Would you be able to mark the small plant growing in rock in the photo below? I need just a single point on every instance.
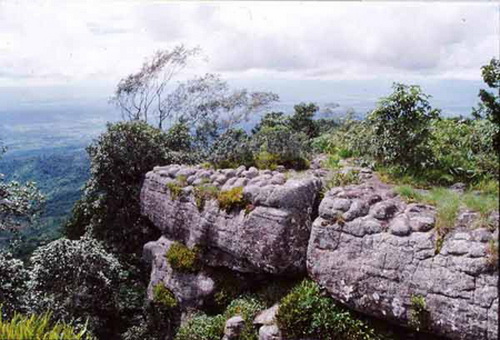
(182, 258)
(247, 308)
(175, 190)
(163, 296)
(249, 208)
(418, 313)
(492, 255)
(232, 199)
(204, 193)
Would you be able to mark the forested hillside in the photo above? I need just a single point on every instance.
(60, 175)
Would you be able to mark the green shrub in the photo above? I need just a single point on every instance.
(40, 327)
(163, 296)
(247, 308)
(287, 147)
(304, 312)
(202, 327)
(419, 316)
(345, 153)
(231, 150)
(13, 284)
(205, 193)
(182, 258)
(332, 162)
(265, 160)
(400, 127)
(232, 199)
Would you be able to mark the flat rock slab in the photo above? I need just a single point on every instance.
(269, 237)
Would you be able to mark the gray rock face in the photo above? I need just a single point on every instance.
(233, 328)
(269, 332)
(190, 289)
(271, 236)
(376, 262)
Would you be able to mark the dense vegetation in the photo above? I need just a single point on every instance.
(100, 281)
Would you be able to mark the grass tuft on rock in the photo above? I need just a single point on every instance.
(183, 259)
(163, 296)
(232, 199)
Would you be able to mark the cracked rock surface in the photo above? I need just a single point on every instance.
(269, 237)
(373, 252)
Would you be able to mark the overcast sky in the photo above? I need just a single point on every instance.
(94, 44)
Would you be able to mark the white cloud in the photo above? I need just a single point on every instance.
(67, 42)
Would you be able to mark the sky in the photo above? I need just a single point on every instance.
(68, 54)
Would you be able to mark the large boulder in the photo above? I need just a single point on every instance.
(269, 235)
(380, 256)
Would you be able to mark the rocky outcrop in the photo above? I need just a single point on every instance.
(190, 289)
(369, 249)
(270, 235)
(380, 256)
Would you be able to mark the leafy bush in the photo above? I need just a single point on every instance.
(13, 284)
(202, 327)
(231, 150)
(182, 258)
(22, 327)
(400, 127)
(232, 199)
(163, 296)
(418, 314)
(304, 312)
(287, 147)
(76, 280)
(266, 160)
(204, 193)
(247, 308)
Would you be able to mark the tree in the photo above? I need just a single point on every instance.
(400, 127)
(211, 107)
(19, 203)
(13, 285)
(77, 281)
(110, 207)
(302, 119)
(141, 95)
(490, 102)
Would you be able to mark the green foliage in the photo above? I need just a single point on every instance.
(285, 146)
(304, 313)
(247, 308)
(76, 280)
(232, 199)
(205, 193)
(202, 327)
(447, 203)
(484, 204)
(182, 258)
(302, 120)
(490, 102)
(332, 162)
(40, 327)
(179, 139)
(400, 127)
(175, 189)
(409, 194)
(164, 296)
(13, 284)
(266, 160)
(231, 150)
(119, 159)
(271, 120)
(343, 178)
(418, 318)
